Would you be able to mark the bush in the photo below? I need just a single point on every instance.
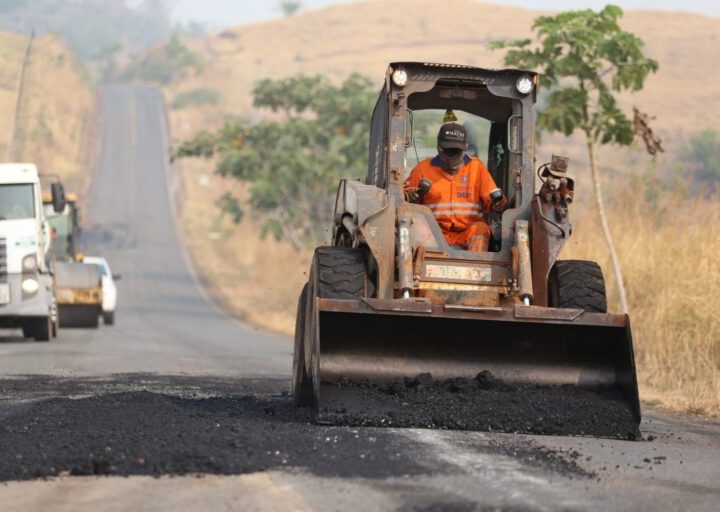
(196, 97)
(167, 64)
(293, 163)
(702, 158)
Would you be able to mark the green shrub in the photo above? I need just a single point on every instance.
(196, 97)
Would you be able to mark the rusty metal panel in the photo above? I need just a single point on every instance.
(540, 313)
(405, 305)
(505, 314)
(454, 296)
(459, 273)
(66, 296)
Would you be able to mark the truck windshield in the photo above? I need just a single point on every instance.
(61, 223)
(17, 201)
(102, 269)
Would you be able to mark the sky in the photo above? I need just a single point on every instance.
(221, 13)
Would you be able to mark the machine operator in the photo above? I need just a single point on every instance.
(458, 189)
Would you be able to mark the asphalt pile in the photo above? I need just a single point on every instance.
(150, 425)
(483, 403)
(146, 433)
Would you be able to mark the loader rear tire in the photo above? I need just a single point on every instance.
(577, 284)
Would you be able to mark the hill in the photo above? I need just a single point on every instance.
(366, 36)
(56, 107)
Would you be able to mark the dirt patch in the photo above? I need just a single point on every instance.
(483, 404)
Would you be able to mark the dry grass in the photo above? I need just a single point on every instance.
(670, 259)
(56, 110)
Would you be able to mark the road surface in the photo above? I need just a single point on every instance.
(176, 387)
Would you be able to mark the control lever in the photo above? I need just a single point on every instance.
(424, 187)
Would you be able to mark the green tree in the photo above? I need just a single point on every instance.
(293, 163)
(702, 157)
(166, 64)
(290, 7)
(585, 58)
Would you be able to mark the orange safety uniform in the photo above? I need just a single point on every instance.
(460, 201)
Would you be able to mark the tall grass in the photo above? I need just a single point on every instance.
(670, 253)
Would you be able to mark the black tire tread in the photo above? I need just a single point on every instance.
(578, 284)
(342, 273)
(301, 387)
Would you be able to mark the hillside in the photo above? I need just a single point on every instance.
(55, 111)
(366, 36)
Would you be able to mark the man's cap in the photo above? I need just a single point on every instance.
(452, 135)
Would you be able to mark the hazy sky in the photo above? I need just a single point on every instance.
(219, 13)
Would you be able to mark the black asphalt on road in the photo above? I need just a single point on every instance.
(176, 387)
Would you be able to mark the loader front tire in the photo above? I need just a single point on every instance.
(577, 284)
(302, 389)
(342, 273)
(336, 273)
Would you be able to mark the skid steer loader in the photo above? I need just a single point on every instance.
(390, 298)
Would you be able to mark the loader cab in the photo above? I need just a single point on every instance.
(497, 108)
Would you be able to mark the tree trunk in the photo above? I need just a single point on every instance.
(606, 228)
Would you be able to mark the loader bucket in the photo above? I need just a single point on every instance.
(582, 361)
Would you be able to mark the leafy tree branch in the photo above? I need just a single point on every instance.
(585, 58)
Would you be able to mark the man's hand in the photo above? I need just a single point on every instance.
(500, 205)
(412, 195)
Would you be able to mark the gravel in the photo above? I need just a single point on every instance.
(157, 433)
(169, 425)
(483, 404)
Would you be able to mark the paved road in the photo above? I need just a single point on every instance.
(178, 387)
(164, 324)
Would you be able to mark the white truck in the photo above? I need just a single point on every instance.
(27, 298)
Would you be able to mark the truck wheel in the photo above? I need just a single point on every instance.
(54, 320)
(301, 386)
(90, 317)
(577, 284)
(109, 318)
(38, 328)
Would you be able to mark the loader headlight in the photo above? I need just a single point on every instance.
(524, 85)
(30, 286)
(400, 77)
(29, 263)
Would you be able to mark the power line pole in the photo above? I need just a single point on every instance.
(15, 149)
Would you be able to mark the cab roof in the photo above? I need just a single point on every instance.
(14, 173)
(437, 70)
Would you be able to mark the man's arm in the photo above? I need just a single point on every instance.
(487, 185)
(412, 194)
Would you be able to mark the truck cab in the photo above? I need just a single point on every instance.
(26, 282)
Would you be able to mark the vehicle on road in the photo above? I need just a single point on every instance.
(392, 299)
(27, 298)
(109, 289)
(79, 285)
